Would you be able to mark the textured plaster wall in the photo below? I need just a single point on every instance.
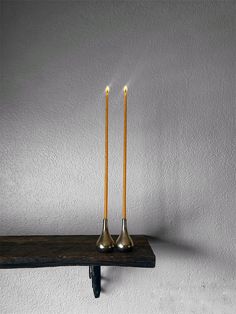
(178, 59)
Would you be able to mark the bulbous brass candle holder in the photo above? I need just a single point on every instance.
(105, 243)
(124, 242)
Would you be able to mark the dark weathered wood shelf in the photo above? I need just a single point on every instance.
(69, 250)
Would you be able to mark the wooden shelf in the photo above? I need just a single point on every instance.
(69, 250)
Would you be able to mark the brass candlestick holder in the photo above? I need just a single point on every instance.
(105, 243)
(124, 243)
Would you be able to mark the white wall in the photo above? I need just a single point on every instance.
(178, 59)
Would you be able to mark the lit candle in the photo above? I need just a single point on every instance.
(124, 154)
(106, 156)
(124, 242)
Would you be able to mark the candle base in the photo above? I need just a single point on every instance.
(105, 243)
(124, 243)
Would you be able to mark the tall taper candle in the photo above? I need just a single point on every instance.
(106, 156)
(124, 243)
(105, 243)
(124, 154)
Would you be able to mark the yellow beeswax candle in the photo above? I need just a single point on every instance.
(106, 156)
(124, 154)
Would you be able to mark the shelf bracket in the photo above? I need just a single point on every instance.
(95, 276)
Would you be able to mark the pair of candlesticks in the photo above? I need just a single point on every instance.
(124, 242)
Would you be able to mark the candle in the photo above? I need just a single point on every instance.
(124, 242)
(106, 156)
(124, 154)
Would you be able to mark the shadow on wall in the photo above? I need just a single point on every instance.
(166, 240)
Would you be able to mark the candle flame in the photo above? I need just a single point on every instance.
(125, 89)
(107, 90)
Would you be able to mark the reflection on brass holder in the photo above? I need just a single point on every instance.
(105, 243)
(124, 243)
